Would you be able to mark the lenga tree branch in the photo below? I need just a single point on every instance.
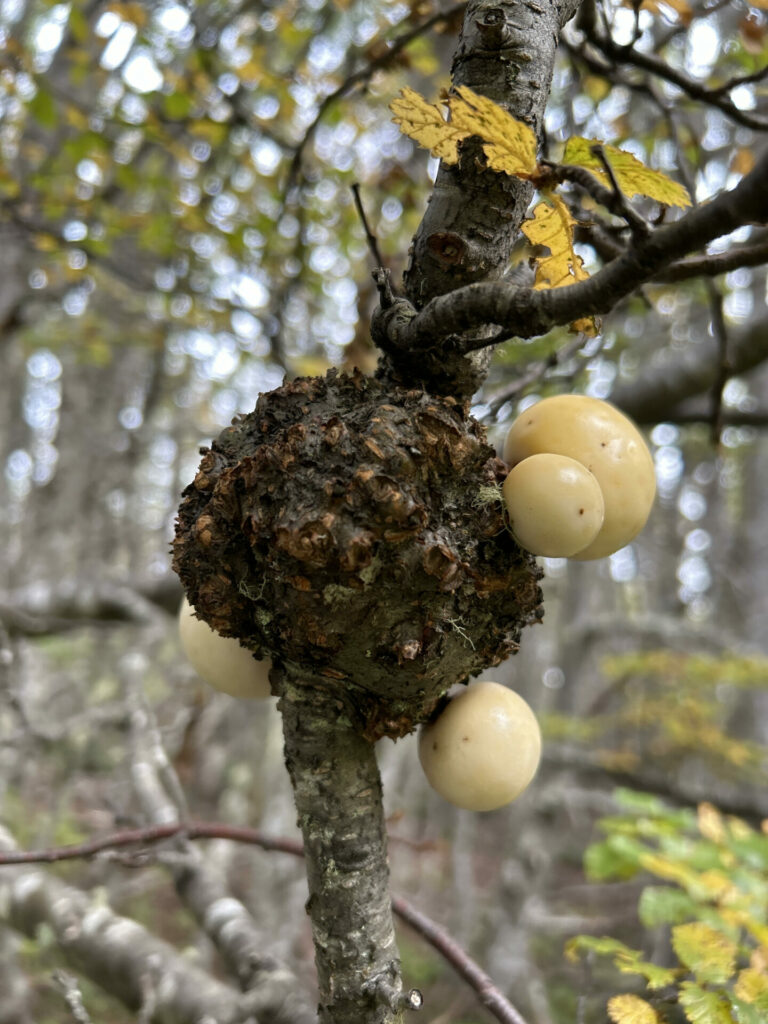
(526, 312)
(716, 97)
(506, 52)
(437, 937)
(116, 952)
(337, 791)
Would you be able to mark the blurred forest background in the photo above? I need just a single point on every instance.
(178, 233)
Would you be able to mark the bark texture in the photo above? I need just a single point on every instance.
(353, 532)
(338, 797)
(506, 51)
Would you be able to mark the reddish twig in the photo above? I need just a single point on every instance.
(488, 994)
(462, 963)
(153, 834)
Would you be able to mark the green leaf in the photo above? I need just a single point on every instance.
(177, 106)
(710, 955)
(42, 107)
(661, 904)
(617, 857)
(752, 987)
(746, 1013)
(703, 1007)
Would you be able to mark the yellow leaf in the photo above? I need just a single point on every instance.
(633, 177)
(586, 325)
(751, 985)
(707, 953)
(509, 145)
(711, 823)
(629, 1009)
(424, 123)
(45, 243)
(552, 226)
(743, 159)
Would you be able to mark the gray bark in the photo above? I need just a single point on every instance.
(338, 797)
(506, 52)
(526, 312)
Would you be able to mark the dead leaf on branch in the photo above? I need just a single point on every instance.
(552, 226)
(509, 145)
(632, 176)
(424, 123)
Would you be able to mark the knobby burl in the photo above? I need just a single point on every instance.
(348, 529)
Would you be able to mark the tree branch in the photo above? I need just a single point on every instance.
(489, 995)
(649, 62)
(116, 952)
(389, 53)
(526, 312)
(275, 993)
(436, 936)
(660, 391)
(338, 798)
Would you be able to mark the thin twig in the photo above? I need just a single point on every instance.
(68, 985)
(654, 65)
(373, 244)
(537, 371)
(462, 963)
(359, 78)
(153, 834)
(637, 224)
(723, 371)
(438, 938)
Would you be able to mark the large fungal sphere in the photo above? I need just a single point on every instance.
(483, 749)
(336, 530)
(608, 444)
(555, 505)
(219, 660)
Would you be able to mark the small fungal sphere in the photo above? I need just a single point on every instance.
(483, 749)
(221, 661)
(555, 505)
(611, 447)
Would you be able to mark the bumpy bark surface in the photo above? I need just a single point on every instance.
(350, 531)
(506, 51)
(338, 798)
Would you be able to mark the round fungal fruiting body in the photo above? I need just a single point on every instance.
(483, 749)
(221, 661)
(555, 505)
(608, 444)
